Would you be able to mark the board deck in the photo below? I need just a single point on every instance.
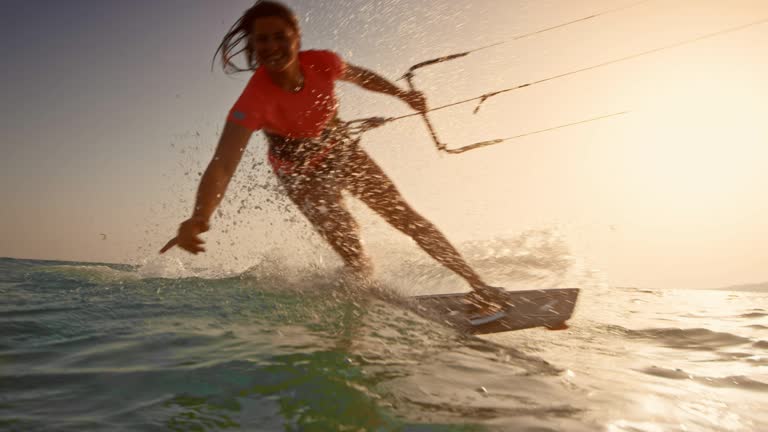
(524, 309)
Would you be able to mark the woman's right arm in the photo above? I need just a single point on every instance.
(213, 185)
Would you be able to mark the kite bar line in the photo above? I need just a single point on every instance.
(440, 146)
(486, 96)
(501, 140)
(515, 38)
(362, 125)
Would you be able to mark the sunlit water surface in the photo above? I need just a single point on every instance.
(87, 347)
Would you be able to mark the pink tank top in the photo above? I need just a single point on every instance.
(303, 114)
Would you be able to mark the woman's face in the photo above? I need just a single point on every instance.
(275, 42)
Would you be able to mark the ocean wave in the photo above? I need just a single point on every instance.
(761, 344)
(97, 347)
(196, 352)
(736, 381)
(693, 338)
(755, 287)
(753, 315)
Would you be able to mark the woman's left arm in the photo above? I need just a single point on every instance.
(370, 80)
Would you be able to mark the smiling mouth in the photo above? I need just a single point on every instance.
(276, 59)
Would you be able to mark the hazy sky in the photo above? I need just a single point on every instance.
(110, 109)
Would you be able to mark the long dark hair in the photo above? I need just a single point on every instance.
(236, 40)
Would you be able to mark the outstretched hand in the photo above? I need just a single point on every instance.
(415, 99)
(188, 238)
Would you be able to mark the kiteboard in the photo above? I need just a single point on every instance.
(549, 308)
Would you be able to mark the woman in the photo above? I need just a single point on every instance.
(291, 98)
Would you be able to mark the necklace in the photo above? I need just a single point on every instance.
(299, 85)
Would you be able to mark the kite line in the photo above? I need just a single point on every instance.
(362, 125)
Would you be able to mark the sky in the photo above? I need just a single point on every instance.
(111, 109)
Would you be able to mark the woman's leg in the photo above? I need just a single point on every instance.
(321, 203)
(365, 180)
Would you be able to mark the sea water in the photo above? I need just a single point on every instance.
(99, 347)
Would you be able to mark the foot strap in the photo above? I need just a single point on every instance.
(485, 319)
